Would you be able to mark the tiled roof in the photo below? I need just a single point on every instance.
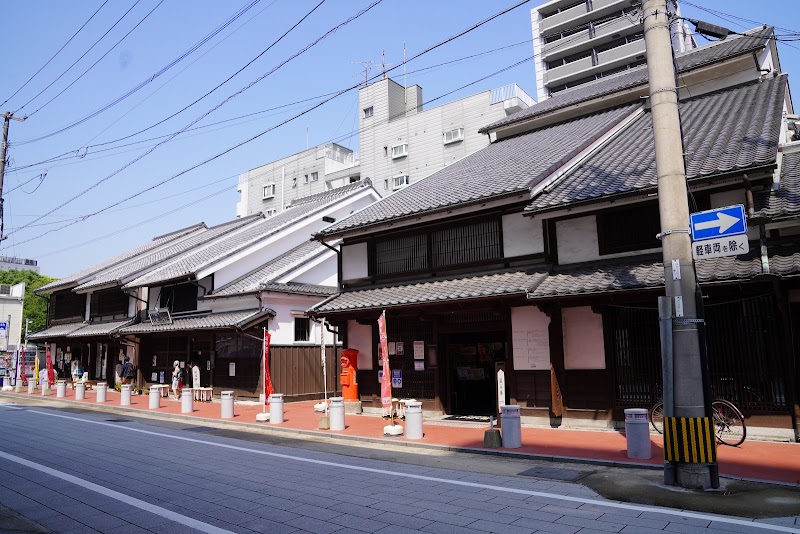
(189, 263)
(208, 321)
(300, 289)
(507, 167)
(648, 273)
(100, 329)
(59, 330)
(726, 131)
(699, 57)
(785, 202)
(118, 275)
(266, 273)
(331, 194)
(72, 279)
(433, 291)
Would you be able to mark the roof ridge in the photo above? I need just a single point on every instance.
(335, 191)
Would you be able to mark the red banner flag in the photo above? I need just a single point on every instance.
(386, 379)
(51, 373)
(267, 379)
(23, 366)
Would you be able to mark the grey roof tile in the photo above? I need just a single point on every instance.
(785, 202)
(193, 260)
(208, 321)
(275, 268)
(100, 329)
(432, 291)
(72, 279)
(648, 272)
(690, 60)
(122, 273)
(300, 289)
(507, 167)
(730, 130)
(59, 330)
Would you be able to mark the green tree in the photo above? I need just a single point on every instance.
(34, 308)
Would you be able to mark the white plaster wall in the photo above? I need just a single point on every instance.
(287, 307)
(359, 337)
(577, 239)
(354, 261)
(323, 273)
(11, 312)
(583, 339)
(521, 235)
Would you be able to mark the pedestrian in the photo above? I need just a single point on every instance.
(127, 372)
(176, 379)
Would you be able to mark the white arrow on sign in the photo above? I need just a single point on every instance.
(723, 222)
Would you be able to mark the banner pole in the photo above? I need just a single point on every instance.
(264, 367)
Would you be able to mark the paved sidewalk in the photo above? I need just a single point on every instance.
(756, 460)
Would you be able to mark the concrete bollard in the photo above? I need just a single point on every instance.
(46, 389)
(414, 419)
(227, 404)
(125, 397)
(61, 389)
(101, 391)
(31, 387)
(80, 391)
(637, 433)
(511, 427)
(276, 408)
(187, 400)
(155, 399)
(18, 386)
(336, 413)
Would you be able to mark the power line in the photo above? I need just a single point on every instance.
(264, 132)
(54, 55)
(81, 152)
(99, 59)
(147, 80)
(80, 58)
(234, 95)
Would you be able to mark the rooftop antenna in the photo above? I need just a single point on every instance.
(367, 66)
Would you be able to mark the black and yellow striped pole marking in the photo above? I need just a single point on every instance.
(689, 440)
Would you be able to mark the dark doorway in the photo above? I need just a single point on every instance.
(471, 361)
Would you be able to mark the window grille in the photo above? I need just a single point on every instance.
(457, 134)
(269, 191)
(400, 151)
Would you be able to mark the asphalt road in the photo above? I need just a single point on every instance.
(75, 471)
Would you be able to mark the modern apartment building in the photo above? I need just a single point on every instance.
(400, 143)
(579, 41)
(9, 263)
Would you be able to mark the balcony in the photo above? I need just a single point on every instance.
(622, 26)
(559, 19)
(621, 54)
(513, 97)
(570, 70)
(565, 45)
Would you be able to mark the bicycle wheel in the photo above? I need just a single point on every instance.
(729, 423)
(657, 417)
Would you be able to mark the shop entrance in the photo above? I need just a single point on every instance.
(471, 361)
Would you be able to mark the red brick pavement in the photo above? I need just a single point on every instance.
(761, 460)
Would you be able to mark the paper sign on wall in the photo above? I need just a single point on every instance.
(392, 346)
(530, 339)
(419, 365)
(419, 350)
(232, 369)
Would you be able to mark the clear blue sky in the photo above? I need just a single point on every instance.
(35, 30)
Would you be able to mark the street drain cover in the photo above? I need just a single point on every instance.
(119, 420)
(200, 428)
(555, 473)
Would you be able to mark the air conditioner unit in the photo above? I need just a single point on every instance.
(5, 289)
(160, 316)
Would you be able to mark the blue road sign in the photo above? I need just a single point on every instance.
(719, 222)
(3, 325)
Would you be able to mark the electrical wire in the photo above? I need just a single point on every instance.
(80, 58)
(54, 55)
(264, 132)
(147, 80)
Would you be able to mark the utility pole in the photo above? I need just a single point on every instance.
(7, 117)
(673, 207)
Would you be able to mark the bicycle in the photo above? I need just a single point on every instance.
(730, 428)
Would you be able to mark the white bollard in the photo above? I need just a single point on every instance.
(336, 413)
(637, 433)
(155, 399)
(102, 392)
(511, 430)
(45, 389)
(276, 408)
(31, 387)
(414, 419)
(125, 397)
(80, 391)
(187, 400)
(227, 404)
(61, 389)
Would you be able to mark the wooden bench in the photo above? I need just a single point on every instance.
(203, 394)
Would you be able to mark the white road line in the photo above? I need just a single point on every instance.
(608, 504)
(146, 506)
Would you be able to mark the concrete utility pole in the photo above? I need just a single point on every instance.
(673, 207)
(7, 117)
